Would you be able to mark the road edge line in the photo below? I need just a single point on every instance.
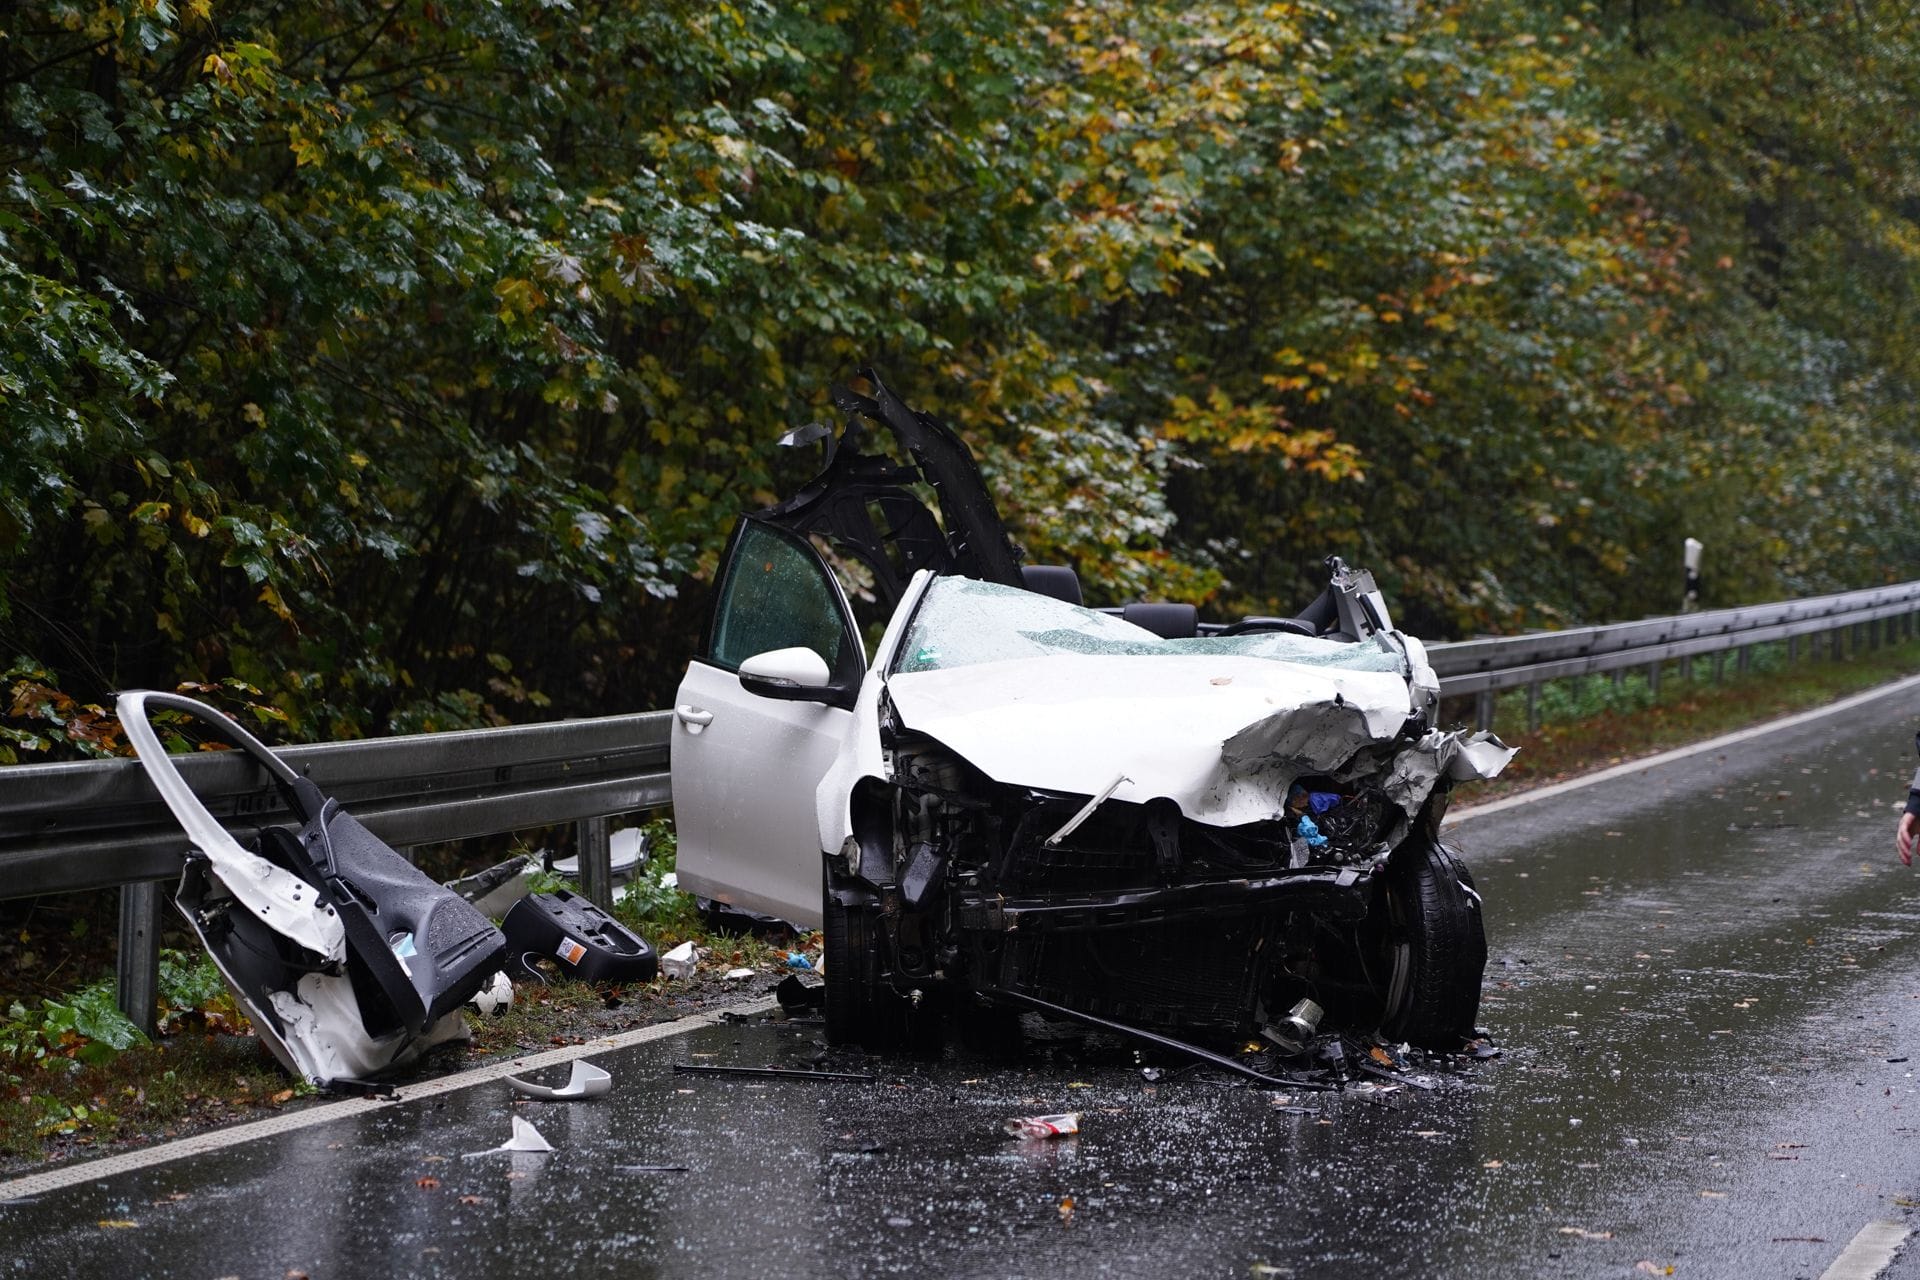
(1798, 718)
(38, 1184)
(1870, 1252)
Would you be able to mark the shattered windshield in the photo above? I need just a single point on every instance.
(962, 622)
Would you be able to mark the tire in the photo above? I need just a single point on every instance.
(861, 1008)
(1437, 945)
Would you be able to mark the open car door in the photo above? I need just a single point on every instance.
(757, 722)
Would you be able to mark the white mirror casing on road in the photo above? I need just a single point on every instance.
(799, 666)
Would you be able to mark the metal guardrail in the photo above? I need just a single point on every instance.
(97, 825)
(1485, 667)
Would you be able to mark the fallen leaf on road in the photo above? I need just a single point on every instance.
(1713, 1195)
(1652, 1268)
(118, 1224)
(427, 1183)
(1066, 1210)
(1492, 1164)
(1585, 1234)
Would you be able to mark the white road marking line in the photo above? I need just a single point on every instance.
(1868, 1253)
(37, 1184)
(1678, 753)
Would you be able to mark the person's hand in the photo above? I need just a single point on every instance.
(1904, 836)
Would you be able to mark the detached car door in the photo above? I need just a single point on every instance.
(746, 766)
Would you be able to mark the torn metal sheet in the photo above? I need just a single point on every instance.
(585, 1081)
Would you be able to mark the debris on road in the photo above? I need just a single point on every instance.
(586, 1081)
(590, 944)
(1058, 1126)
(739, 975)
(525, 1138)
(1293, 1032)
(772, 1073)
(679, 962)
(793, 994)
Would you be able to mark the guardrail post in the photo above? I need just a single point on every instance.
(594, 844)
(1719, 666)
(1483, 710)
(1793, 648)
(1838, 649)
(1686, 667)
(139, 961)
(1743, 659)
(1533, 707)
(1653, 679)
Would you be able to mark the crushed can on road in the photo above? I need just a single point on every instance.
(1059, 1126)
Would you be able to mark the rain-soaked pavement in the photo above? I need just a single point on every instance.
(1704, 976)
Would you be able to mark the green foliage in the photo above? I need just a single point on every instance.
(87, 1027)
(407, 363)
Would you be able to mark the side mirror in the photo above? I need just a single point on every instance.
(791, 675)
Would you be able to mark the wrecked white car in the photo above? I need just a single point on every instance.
(1125, 816)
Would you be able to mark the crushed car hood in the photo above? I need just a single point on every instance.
(1221, 736)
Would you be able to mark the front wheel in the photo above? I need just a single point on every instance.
(1437, 947)
(862, 1009)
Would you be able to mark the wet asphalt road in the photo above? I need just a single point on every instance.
(1705, 976)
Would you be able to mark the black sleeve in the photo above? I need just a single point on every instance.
(1913, 795)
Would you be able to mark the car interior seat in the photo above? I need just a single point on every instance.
(1168, 621)
(1056, 580)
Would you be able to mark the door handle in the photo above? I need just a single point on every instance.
(695, 718)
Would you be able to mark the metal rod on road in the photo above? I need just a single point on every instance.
(1164, 1042)
(771, 1073)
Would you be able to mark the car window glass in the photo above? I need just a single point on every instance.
(777, 596)
(962, 622)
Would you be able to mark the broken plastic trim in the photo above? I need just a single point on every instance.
(1165, 1042)
(585, 1081)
